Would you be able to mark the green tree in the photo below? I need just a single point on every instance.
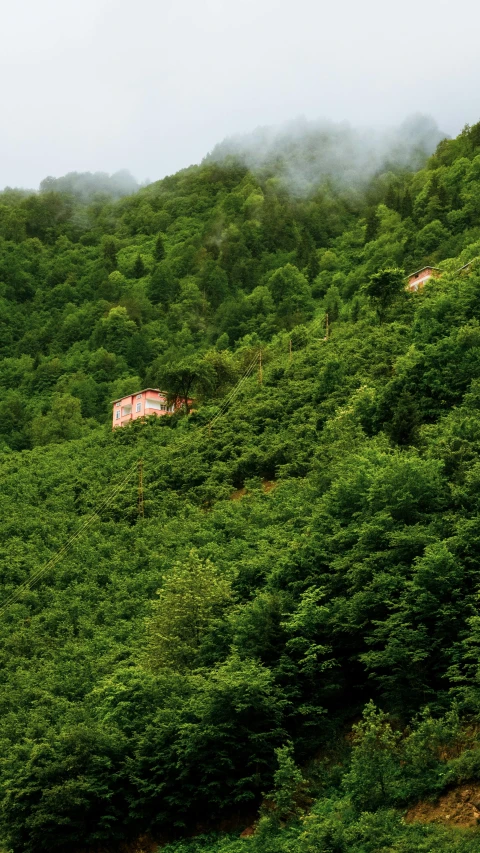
(332, 303)
(163, 285)
(68, 787)
(384, 288)
(213, 282)
(14, 420)
(115, 331)
(194, 593)
(62, 423)
(210, 748)
(375, 762)
(372, 222)
(109, 251)
(181, 379)
(406, 206)
(159, 250)
(138, 270)
(289, 794)
(292, 295)
(222, 373)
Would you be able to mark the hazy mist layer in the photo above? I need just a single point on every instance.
(304, 153)
(105, 85)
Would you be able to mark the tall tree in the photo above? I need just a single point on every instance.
(194, 593)
(384, 288)
(159, 251)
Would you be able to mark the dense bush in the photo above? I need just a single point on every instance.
(308, 550)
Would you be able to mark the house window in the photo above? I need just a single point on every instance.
(138, 407)
(117, 415)
(117, 405)
(139, 396)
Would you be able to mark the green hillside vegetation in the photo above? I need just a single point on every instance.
(306, 654)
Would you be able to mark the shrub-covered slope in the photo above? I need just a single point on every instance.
(173, 669)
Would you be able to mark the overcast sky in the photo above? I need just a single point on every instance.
(153, 85)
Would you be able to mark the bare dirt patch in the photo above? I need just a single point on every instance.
(458, 807)
(238, 494)
(267, 486)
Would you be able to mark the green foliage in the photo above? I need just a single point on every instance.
(384, 288)
(192, 596)
(181, 379)
(289, 792)
(138, 269)
(372, 777)
(389, 767)
(68, 789)
(291, 293)
(212, 749)
(63, 422)
(159, 251)
(333, 827)
(311, 530)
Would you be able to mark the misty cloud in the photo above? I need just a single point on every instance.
(85, 185)
(306, 153)
(105, 85)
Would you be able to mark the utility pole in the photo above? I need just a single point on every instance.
(260, 369)
(141, 505)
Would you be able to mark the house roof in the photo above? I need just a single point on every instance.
(417, 272)
(139, 392)
(468, 264)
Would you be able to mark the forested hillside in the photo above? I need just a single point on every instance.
(282, 628)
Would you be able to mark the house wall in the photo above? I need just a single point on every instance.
(415, 282)
(128, 411)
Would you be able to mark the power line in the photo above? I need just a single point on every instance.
(225, 404)
(60, 553)
(52, 562)
(141, 505)
(136, 469)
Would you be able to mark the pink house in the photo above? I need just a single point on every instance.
(417, 279)
(150, 401)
